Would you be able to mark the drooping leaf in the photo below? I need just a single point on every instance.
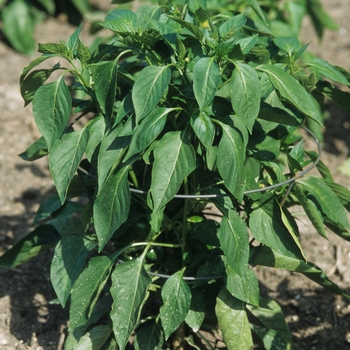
(245, 95)
(269, 257)
(267, 227)
(95, 338)
(204, 128)
(230, 159)
(174, 160)
(341, 98)
(196, 313)
(147, 131)
(234, 242)
(270, 314)
(243, 286)
(311, 210)
(105, 82)
(18, 25)
(176, 296)
(40, 239)
(65, 157)
(256, 7)
(233, 321)
(47, 207)
(149, 337)
(111, 207)
(291, 90)
(35, 151)
(327, 70)
(149, 88)
(325, 199)
(112, 148)
(129, 286)
(206, 79)
(52, 104)
(341, 191)
(68, 260)
(87, 290)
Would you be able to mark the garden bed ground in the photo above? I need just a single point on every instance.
(318, 319)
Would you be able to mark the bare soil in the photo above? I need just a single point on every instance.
(318, 319)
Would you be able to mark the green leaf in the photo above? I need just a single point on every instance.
(73, 41)
(68, 260)
(121, 21)
(270, 314)
(83, 53)
(54, 49)
(52, 105)
(31, 65)
(31, 83)
(232, 25)
(287, 44)
(291, 90)
(35, 151)
(190, 28)
(243, 286)
(206, 79)
(87, 289)
(267, 227)
(230, 159)
(18, 25)
(341, 191)
(46, 208)
(233, 322)
(149, 337)
(325, 199)
(327, 70)
(149, 88)
(256, 7)
(65, 157)
(269, 257)
(196, 313)
(203, 127)
(176, 296)
(96, 130)
(311, 210)
(42, 238)
(111, 206)
(129, 286)
(245, 95)
(234, 242)
(269, 338)
(174, 160)
(105, 82)
(341, 98)
(146, 132)
(95, 338)
(110, 155)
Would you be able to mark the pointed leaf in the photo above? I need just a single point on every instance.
(105, 82)
(204, 128)
(121, 21)
(196, 313)
(95, 338)
(270, 314)
(42, 238)
(96, 130)
(52, 104)
(176, 296)
(87, 290)
(149, 337)
(243, 286)
(65, 158)
(129, 286)
(245, 95)
(325, 199)
(267, 227)
(68, 260)
(230, 160)
(147, 131)
(269, 257)
(327, 70)
(234, 242)
(233, 322)
(291, 90)
(111, 207)
(35, 151)
(73, 40)
(174, 160)
(206, 79)
(149, 88)
(232, 25)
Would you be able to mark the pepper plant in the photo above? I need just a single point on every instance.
(177, 156)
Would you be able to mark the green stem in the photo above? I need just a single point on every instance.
(184, 223)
